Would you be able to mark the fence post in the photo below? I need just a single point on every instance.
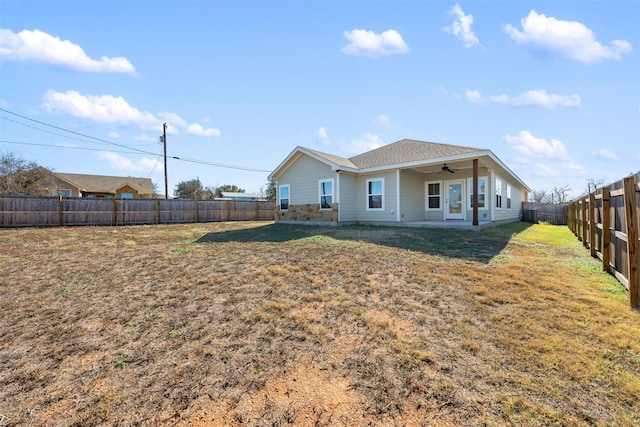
(158, 203)
(606, 229)
(584, 221)
(60, 210)
(114, 213)
(592, 224)
(631, 214)
(197, 212)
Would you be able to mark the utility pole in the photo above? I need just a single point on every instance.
(164, 141)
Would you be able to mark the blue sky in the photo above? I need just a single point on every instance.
(551, 87)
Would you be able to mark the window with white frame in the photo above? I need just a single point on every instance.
(283, 200)
(326, 194)
(498, 193)
(508, 196)
(482, 192)
(375, 194)
(434, 195)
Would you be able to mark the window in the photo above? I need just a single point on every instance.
(375, 194)
(126, 195)
(434, 193)
(508, 196)
(326, 194)
(498, 193)
(284, 198)
(482, 193)
(63, 193)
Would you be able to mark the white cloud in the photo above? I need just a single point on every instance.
(196, 129)
(5, 104)
(111, 109)
(38, 46)
(147, 138)
(368, 43)
(119, 162)
(461, 27)
(322, 134)
(571, 39)
(606, 154)
(527, 144)
(114, 135)
(65, 145)
(104, 109)
(382, 122)
(366, 142)
(531, 98)
(544, 170)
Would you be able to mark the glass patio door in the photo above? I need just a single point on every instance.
(454, 200)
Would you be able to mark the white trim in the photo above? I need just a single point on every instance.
(499, 181)
(492, 202)
(366, 193)
(463, 211)
(288, 186)
(470, 192)
(320, 193)
(398, 213)
(337, 196)
(440, 196)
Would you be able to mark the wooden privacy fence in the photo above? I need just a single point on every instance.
(607, 223)
(544, 212)
(58, 211)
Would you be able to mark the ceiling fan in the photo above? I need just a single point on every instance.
(446, 168)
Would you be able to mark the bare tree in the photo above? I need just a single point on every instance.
(19, 177)
(593, 184)
(560, 195)
(539, 196)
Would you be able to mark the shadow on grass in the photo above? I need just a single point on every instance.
(480, 246)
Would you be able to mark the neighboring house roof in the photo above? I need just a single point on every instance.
(406, 153)
(105, 183)
(236, 195)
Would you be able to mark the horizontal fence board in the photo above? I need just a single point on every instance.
(55, 211)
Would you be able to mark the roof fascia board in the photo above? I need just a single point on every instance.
(294, 155)
(509, 171)
(68, 181)
(427, 162)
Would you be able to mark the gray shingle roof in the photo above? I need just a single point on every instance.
(407, 150)
(340, 161)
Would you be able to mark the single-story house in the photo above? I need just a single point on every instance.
(407, 181)
(100, 186)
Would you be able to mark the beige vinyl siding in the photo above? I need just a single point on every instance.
(303, 177)
(517, 195)
(348, 197)
(412, 196)
(390, 197)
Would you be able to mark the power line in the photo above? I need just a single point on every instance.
(133, 150)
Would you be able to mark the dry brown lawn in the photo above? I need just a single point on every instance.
(264, 325)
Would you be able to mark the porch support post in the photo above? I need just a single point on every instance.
(475, 192)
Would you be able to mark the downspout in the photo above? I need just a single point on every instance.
(398, 214)
(338, 195)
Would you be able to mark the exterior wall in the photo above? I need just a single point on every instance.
(307, 212)
(348, 198)
(390, 198)
(412, 204)
(303, 177)
(517, 197)
(57, 184)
